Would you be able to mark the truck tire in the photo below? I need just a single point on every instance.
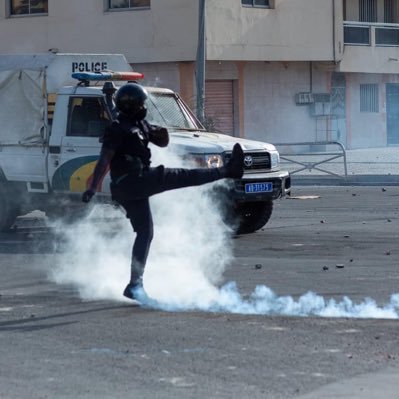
(8, 212)
(253, 216)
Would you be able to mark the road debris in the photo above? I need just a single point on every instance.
(339, 265)
(304, 197)
(258, 266)
(325, 268)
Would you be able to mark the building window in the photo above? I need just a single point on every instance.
(129, 4)
(256, 3)
(368, 10)
(369, 98)
(389, 11)
(28, 7)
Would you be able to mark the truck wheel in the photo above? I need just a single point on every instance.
(8, 213)
(253, 216)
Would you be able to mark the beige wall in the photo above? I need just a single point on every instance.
(271, 113)
(292, 31)
(370, 59)
(167, 32)
(367, 129)
(160, 74)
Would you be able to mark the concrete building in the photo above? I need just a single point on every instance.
(276, 70)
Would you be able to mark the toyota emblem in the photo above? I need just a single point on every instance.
(248, 161)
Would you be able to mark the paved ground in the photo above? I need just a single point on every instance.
(55, 345)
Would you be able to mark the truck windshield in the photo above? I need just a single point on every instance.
(164, 109)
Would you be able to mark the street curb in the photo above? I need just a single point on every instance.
(354, 180)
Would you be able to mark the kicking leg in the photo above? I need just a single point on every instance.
(170, 179)
(160, 179)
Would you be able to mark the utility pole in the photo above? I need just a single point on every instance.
(200, 62)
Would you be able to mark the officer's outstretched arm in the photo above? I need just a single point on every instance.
(100, 170)
(159, 136)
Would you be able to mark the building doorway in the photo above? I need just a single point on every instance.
(219, 106)
(392, 113)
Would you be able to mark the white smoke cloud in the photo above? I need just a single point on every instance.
(191, 248)
(190, 251)
(95, 259)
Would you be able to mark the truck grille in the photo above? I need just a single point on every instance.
(260, 160)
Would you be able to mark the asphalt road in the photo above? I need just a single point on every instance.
(55, 345)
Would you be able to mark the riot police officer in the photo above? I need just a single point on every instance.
(133, 180)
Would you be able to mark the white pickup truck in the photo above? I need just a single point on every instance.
(50, 130)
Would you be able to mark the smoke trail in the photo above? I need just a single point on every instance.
(264, 301)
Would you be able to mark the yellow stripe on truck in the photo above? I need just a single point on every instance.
(78, 182)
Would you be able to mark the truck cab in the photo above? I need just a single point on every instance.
(80, 117)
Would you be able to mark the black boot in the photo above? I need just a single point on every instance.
(132, 288)
(235, 166)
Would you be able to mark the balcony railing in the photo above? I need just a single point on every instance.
(371, 34)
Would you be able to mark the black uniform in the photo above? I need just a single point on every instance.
(133, 180)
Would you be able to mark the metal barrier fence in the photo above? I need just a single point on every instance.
(313, 151)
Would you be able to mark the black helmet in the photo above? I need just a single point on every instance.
(130, 99)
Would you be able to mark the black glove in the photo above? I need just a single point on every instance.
(159, 136)
(87, 195)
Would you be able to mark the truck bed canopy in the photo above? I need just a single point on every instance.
(22, 107)
(25, 81)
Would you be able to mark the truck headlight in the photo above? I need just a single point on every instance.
(213, 161)
(275, 159)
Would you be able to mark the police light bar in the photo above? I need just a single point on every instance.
(107, 75)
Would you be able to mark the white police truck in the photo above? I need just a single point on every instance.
(50, 129)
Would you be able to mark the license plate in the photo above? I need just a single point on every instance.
(252, 188)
